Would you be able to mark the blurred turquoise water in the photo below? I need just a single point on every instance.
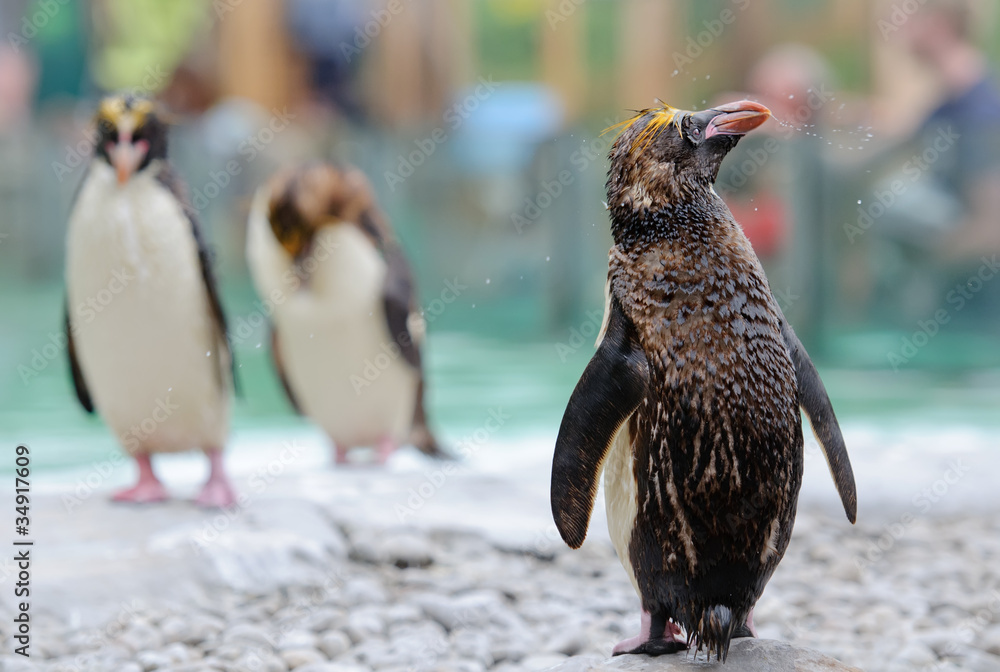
(469, 374)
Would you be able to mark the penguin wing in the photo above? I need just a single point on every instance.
(168, 179)
(398, 295)
(279, 367)
(816, 403)
(79, 384)
(403, 321)
(609, 391)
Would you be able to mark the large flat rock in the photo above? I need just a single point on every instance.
(745, 655)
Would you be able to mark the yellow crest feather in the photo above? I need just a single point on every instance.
(662, 116)
(115, 109)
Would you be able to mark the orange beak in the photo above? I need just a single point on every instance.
(126, 157)
(736, 118)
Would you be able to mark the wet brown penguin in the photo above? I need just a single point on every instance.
(690, 405)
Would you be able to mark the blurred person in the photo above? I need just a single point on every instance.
(329, 34)
(944, 224)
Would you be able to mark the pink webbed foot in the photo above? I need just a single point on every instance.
(657, 637)
(384, 450)
(217, 493)
(147, 490)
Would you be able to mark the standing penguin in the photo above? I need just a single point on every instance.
(147, 336)
(347, 330)
(691, 403)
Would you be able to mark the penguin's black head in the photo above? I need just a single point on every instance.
(306, 198)
(130, 134)
(665, 155)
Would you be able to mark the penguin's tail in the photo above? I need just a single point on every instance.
(421, 435)
(714, 631)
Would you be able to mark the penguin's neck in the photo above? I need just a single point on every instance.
(704, 221)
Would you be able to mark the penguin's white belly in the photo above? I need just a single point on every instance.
(340, 361)
(139, 310)
(620, 498)
(343, 377)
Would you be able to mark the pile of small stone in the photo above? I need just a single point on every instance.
(403, 600)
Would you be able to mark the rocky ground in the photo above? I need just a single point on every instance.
(292, 584)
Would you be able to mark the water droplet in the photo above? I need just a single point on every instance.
(791, 96)
(487, 281)
(208, 354)
(859, 201)
(708, 76)
(547, 258)
(257, 346)
(675, 73)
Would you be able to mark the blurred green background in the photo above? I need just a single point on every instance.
(508, 206)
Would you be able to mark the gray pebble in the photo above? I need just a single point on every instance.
(542, 661)
(141, 636)
(247, 633)
(296, 658)
(297, 639)
(362, 625)
(334, 644)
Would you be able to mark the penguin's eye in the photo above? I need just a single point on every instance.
(695, 133)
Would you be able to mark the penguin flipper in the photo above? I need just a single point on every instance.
(610, 389)
(814, 400)
(400, 303)
(279, 368)
(79, 384)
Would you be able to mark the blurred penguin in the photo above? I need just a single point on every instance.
(147, 336)
(347, 330)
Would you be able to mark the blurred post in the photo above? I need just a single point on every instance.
(647, 60)
(255, 58)
(563, 58)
